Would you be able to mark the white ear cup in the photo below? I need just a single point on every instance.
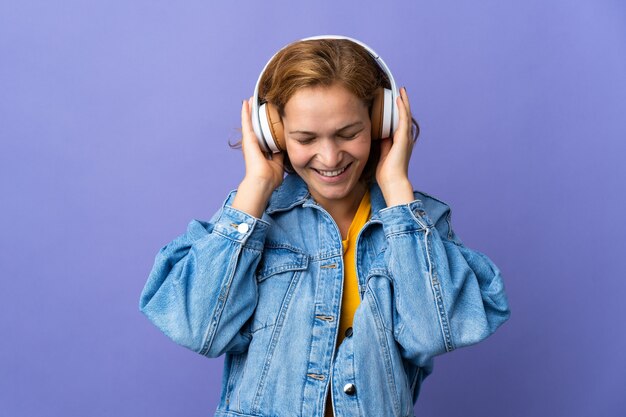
(388, 125)
(266, 138)
(395, 114)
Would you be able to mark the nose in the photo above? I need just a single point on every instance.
(329, 153)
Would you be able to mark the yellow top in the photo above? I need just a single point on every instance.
(351, 299)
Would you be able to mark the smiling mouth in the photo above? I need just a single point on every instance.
(334, 173)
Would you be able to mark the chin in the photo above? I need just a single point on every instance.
(337, 194)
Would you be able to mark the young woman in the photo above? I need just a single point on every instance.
(330, 289)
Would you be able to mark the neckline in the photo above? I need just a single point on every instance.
(359, 219)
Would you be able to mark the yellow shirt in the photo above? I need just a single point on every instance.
(350, 299)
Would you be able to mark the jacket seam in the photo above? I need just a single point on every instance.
(435, 285)
(383, 341)
(286, 303)
(234, 373)
(243, 241)
(222, 298)
(358, 403)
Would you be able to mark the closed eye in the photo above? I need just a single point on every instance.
(350, 135)
(304, 141)
(347, 136)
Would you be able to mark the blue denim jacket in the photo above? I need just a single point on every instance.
(267, 293)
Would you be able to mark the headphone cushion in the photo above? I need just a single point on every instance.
(276, 125)
(272, 129)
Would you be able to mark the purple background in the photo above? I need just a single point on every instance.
(114, 122)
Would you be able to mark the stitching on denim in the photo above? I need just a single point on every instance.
(376, 299)
(209, 335)
(309, 346)
(418, 220)
(359, 271)
(271, 210)
(217, 231)
(294, 266)
(243, 378)
(328, 394)
(435, 286)
(247, 243)
(358, 403)
(404, 232)
(256, 403)
(234, 372)
(386, 355)
(278, 245)
(298, 261)
(408, 232)
(417, 200)
(329, 254)
(423, 226)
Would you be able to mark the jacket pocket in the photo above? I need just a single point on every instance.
(279, 259)
(278, 268)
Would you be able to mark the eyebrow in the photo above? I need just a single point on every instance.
(306, 132)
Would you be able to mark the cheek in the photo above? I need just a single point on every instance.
(296, 156)
(362, 149)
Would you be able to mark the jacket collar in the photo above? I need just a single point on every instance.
(294, 191)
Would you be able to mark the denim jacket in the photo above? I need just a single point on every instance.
(267, 293)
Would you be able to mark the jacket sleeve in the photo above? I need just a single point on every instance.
(446, 295)
(202, 287)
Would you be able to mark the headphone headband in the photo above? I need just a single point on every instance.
(268, 143)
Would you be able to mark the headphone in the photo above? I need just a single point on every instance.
(268, 125)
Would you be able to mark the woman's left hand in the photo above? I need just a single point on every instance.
(392, 172)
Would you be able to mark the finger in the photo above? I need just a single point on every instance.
(402, 109)
(246, 117)
(404, 120)
(405, 99)
(249, 140)
(408, 121)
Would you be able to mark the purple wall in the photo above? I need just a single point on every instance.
(114, 122)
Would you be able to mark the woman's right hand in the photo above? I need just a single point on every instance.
(263, 175)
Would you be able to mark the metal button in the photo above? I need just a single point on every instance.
(349, 389)
(243, 228)
(348, 332)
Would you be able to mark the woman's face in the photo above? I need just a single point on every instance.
(328, 140)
